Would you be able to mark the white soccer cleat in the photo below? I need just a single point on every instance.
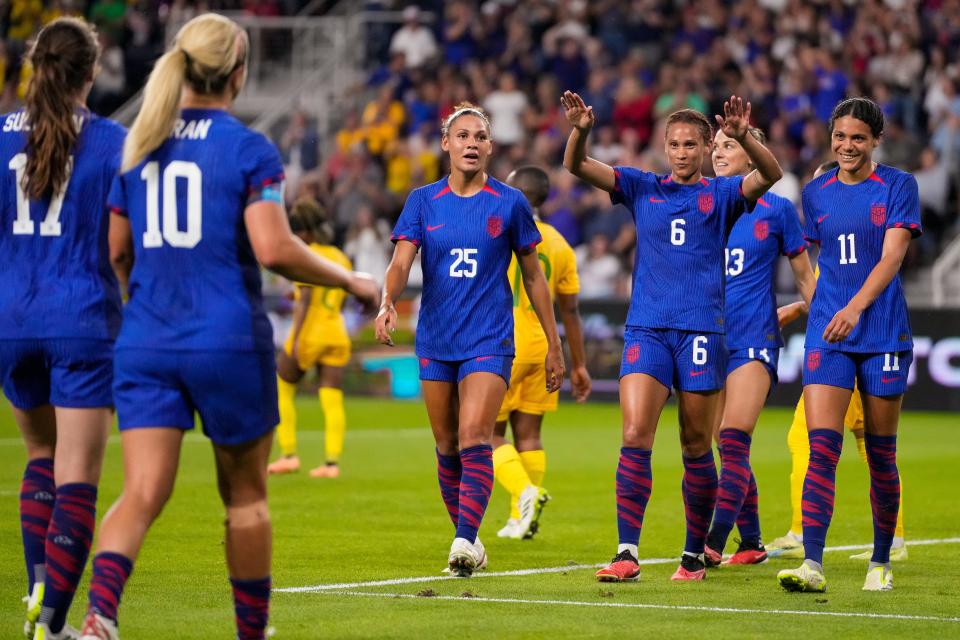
(34, 602)
(530, 503)
(897, 554)
(466, 557)
(481, 552)
(42, 632)
(786, 546)
(879, 579)
(510, 530)
(96, 627)
(803, 578)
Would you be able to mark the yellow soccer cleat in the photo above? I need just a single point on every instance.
(34, 602)
(804, 578)
(879, 579)
(897, 554)
(787, 546)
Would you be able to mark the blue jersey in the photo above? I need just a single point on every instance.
(849, 222)
(57, 280)
(681, 233)
(466, 244)
(754, 245)
(195, 283)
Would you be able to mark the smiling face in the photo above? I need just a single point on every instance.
(468, 143)
(853, 143)
(685, 148)
(729, 158)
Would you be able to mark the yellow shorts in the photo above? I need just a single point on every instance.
(528, 392)
(853, 420)
(311, 353)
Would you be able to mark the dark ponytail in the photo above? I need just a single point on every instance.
(63, 56)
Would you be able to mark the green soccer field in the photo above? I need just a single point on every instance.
(360, 557)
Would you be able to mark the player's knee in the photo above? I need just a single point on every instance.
(147, 500)
(250, 514)
(637, 435)
(529, 443)
(695, 443)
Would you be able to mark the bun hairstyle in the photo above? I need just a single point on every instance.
(310, 216)
(691, 116)
(464, 109)
(63, 57)
(863, 109)
(206, 51)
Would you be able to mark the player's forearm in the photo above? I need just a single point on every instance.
(803, 276)
(536, 288)
(767, 170)
(293, 260)
(394, 282)
(573, 327)
(300, 307)
(895, 244)
(575, 152)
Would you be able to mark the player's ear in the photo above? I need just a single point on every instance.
(445, 142)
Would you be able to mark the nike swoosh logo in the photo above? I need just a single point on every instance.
(885, 380)
(822, 218)
(434, 228)
(656, 200)
(482, 358)
(694, 374)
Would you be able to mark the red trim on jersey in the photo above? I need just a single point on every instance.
(412, 241)
(616, 180)
(118, 211)
(706, 183)
(797, 251)
(442, 192)
(667, 180)
(759, 200)
(830, 181)
(876, 178)
(489, 189)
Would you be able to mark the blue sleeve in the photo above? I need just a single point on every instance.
(524, 235)
(811, 230)
(117, 198)
(732, 204)
(263, 171)
(905, 207)
(628, 185)
(793, 243)
(409, 226)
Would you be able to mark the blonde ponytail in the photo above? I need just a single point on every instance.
(205, 52)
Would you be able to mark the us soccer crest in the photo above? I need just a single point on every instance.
(494, 226)
(761, 229)
(633, 353)
(878, 214)
(813, 360)
(705, 203)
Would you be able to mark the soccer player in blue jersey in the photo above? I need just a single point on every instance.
(753, 338)
(467, 226)
(59, 311)
(197, 203)
(863, 215)
(675, 326)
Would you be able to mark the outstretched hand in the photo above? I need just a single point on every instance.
(578, 114)
(735, 121)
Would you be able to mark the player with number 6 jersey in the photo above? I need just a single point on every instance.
(198, 202)
(59, 311)
(863, 215)
(467, 226)
(753, 337)
(675, 326)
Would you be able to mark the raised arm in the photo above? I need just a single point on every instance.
(394, 282)
(535, 285)
(568, 304)
(895, 244)
(277, 249)
(735, 123)
(575, 158)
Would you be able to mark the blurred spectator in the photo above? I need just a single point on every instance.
(413, 40)
(599, 271)
(633, 109)
(505, 107)
(381, 119)
(299, 146)
(368, 243)
(24, 19)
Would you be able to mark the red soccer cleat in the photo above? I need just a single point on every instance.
(623, 568)
(749, 553)
(711, 557)
(691, 568)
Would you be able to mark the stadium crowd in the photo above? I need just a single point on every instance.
(634, 62)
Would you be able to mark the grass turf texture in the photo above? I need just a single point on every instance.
(383, 519)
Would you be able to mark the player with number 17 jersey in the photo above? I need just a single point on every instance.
(465, 245)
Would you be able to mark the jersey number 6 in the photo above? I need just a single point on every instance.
(465, 265)
(178, 169)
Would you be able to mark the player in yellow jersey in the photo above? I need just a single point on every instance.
(791, 544)
(318, 338)
(520, 466)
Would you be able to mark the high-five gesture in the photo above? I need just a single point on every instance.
(735, 121)
(578, 114)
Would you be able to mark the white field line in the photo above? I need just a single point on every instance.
(665, 607)
(527, 572)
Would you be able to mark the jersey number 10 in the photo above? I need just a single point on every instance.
(23, 225)
(178, 169)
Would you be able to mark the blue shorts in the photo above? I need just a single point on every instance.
(685, 360)
(767, 356)
(235, 392)
(877, 374)
(76, 373)
(454, 371)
